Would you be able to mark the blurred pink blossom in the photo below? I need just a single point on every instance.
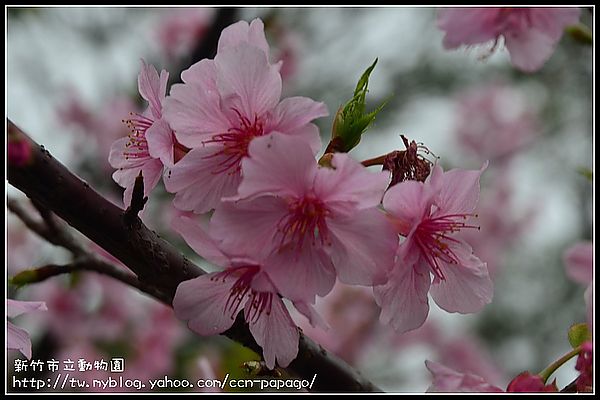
(447, 380)
(495, 121)
(180, 30)
(352, 318)
(502, 226)
(530, 34)
(429, 214)
(222, 106)
(579, 262)
(103, 126)
(17, 338)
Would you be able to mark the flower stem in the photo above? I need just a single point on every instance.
(374, 161)
(549, 370)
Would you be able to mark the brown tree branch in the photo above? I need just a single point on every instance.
(94, 264)
(154, 261)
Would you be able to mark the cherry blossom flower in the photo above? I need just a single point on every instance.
(450, 381)
(530, 34)
(222, 106)
(150, 145)
(211, 302)
(317, 222)
(495, 121)
(429, 214)
(17, 338)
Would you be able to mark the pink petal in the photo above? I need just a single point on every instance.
(552, 21)
(201, 302)
(529, 49)
(197, 238)
(315, 320)
(247, 81)
(407, 202)
(467, 287)
(278, 165)
(160, 142)
(197, 181)
(362, 247)
(18, 339)
(299, 275)
(276, 333)
(17, 307)
(150, 86)
(468, 25)
(116, 157)
(248, 227)
(308, 133)
(448, 380)
(193, 109)
(350, 182)
(403, 299)
(240, 32)
(579, 260)
(295, 112)
(458, 189)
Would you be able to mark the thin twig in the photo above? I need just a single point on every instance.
(90, 263)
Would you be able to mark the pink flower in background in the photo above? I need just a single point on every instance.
(495, 121)
(17, 338)
(150, 144)
(95, 130)
(223, 105)
(352, 317)
(181, 30)
(315, 222)
(211, 302)
(579, 262)
(429, 214)
(530, 34)
(447, 380)
(585, 367)
(502, 224)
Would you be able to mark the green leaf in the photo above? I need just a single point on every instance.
(578, 334)
(351, 121)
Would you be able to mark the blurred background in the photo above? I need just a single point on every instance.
(72, 78)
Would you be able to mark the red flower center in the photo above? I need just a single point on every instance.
(305, 217)
(432, 237)
(260, 302)
(234, 143)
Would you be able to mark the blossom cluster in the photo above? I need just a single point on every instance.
(284, 226)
